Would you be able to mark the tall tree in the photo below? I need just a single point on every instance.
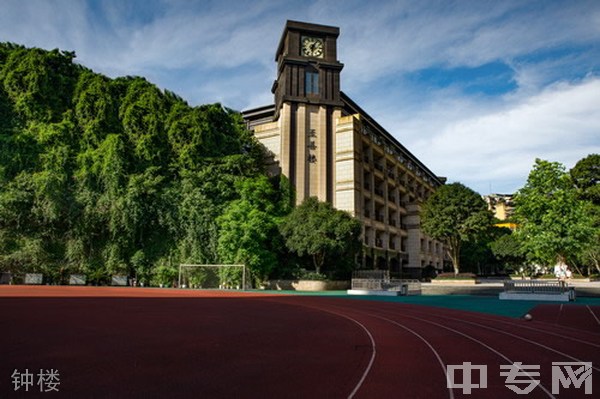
(552, 220)
(318, 230)
(455, 214)
(586, 177)
(103, 176)
(248, 226)
(508, 249)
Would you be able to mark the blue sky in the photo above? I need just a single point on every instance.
(476, 89)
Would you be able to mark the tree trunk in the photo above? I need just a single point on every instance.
(454, 252)
(318, 262)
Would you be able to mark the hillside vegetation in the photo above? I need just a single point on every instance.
(114, 176)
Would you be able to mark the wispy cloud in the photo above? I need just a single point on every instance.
(499, 146)
(477, 89)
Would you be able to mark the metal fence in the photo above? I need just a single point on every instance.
(514, 287)
(379, 280)
(535, 286)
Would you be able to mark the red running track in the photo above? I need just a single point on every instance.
(153, 343)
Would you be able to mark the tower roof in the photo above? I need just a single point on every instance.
(306, 27)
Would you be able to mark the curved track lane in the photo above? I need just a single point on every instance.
(167, 343)
(415, 368)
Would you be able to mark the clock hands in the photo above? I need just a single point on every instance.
(312, 47)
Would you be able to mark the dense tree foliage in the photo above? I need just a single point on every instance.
(508, 249)
(455, 214)
(586, 177)
(483, 253)
(113, 176)
(318, 230)
(554, 219)
(249, 227)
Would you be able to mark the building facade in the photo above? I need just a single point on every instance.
(329, 148)
(502, 205)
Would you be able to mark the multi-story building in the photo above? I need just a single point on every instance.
(330, 148)
(501, 205)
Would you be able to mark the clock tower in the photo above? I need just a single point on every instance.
(307, 104)
(330, 148)
(308, 70)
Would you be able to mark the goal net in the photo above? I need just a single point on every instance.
(202, 276)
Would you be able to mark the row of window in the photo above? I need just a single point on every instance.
(381, 170)
(380, 239)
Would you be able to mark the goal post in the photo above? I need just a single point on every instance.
(212, 276)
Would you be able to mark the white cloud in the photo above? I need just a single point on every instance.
(223, 50)
(420, 35)
(560, 124)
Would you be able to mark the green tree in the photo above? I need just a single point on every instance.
(248, 227)
(477, 255)
(455, 214)
(105, 176)
(552, 220)
(39, 83)
(318, 230)
(142, 113)
(508, 249)
(96, 108)
(586, 177)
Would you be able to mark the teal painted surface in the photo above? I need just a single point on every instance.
(472, 303)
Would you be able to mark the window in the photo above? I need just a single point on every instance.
(311, 83)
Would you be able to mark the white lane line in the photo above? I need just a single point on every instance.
(560, 309)
(373, 353)
(593, 314)
(520, 325)
(468, 337)
(437, 355)
(518, 337)
(373, 346)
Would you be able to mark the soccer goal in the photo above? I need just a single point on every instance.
(202, 276)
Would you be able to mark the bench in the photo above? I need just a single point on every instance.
(537, 290)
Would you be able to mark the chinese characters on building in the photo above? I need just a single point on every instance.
(45, 380)
(521, 378)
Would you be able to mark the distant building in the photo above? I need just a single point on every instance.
(330, 148)
(501, 205)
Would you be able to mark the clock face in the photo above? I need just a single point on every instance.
(312, 47)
